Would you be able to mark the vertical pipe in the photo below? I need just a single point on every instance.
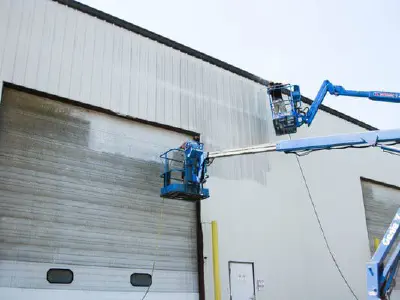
(217, 282)
(1, 89)
(200, 252)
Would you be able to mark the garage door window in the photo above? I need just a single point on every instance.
(60, 276)
(141, 279)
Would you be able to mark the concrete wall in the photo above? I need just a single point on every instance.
(260, 202)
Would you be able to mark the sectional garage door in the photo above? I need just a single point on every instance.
(79, 190)
(381, 203)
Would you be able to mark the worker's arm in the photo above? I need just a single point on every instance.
(183, 146)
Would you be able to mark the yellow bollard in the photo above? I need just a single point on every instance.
(217, 282)
(376, 243)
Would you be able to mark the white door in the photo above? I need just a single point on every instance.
(241, 281)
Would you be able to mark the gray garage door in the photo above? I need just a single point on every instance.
(80, 190)
(381, 203)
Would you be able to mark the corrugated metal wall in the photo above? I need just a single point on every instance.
(52, 48)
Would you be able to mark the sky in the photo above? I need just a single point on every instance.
(353, 43)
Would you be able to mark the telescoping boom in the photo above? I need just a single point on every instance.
(288, 112)
(378, 138)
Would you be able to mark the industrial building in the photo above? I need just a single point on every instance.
(89, 102)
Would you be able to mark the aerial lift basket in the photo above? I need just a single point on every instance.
(179, 181)
(285, 104)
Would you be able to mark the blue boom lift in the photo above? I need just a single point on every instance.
(287, 115)
(286, 105)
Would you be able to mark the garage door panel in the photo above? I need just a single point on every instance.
(97, 150)
(43, 236)
(135, 209)
(73, 257)
(77, 169)
(131, 147)
(44, 213)
(57, 231)
(31, 104)
(381, 203)
(45, 128)
(29, 148)
(172, 252)
(87, 133)
(80, 172)
(94, 178)
(43, 208)
(81, 188)
(75, 175)
(144, 258)
(138, 207)
(112, 279)
(72, 127)
(73, 184)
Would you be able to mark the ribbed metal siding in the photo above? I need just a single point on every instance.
(50, 47)
(381, 203)
(80, 189)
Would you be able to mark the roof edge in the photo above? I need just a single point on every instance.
(159, 38)
(192, 52)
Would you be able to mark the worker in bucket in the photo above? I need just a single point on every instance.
(277, 98)
(188, 147)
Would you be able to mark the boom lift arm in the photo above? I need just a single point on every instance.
(377, 138)
(288, 114)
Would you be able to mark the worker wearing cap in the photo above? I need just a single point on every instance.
(277, 98)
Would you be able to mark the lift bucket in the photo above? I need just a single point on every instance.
(283, 101)
(180, 179)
